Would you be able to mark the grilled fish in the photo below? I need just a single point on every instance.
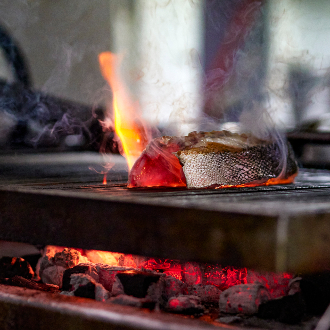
(221, 158)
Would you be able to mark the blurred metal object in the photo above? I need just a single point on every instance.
(312, 148)
(15, 58)
(44, 121)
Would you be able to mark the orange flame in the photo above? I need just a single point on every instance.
(270, 182)
(128, 123)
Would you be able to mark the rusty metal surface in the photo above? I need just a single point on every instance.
(308, 137)
(266, 228)
(30, 309)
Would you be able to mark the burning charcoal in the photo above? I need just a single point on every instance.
(173, 287)
(29, 284)
(85, 286)
(127, 260)
(224, 277)
(294, 285)
(86, 291)
(57, 261)
(43, 263)
(166, 288)
(276, 283)
(32, 259)
(191, 274)
(185, 305)
(244, 298)
(289, 309)
(117, 288)
(101, 294)
(136, 283)
(88, 269)
(53, 275)
(103, 257)
(10, 267)
(107, 274)
(315, 291)
(69, 258)
(207, 293)
(155, 291)
(126, 300)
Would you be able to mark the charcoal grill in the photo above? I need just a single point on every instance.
(57, 199)
(272, 228)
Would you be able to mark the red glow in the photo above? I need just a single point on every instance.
(168, 267)
(156, 264)
(148, 172)
(174, 303)
(129, 261)
(157, 168)
(192, 274)
(105, 179)
(174, 271)
(221, 277)
(225, 277)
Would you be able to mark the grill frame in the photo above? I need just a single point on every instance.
(271, 228)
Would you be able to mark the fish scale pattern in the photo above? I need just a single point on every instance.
(254, 164)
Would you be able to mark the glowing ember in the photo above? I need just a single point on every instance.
(221, 277)
(180, 278)
(224, 278)
(168, 267)
(108, 258)
(192, 274)
(128, 123)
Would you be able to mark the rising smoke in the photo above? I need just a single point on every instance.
(59, 42)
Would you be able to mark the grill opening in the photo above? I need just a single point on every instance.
(172, 290)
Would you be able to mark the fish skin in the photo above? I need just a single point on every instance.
(256, 164)
(212, 159)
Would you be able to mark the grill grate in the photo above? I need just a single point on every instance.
(272, 228)
(311, 188)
